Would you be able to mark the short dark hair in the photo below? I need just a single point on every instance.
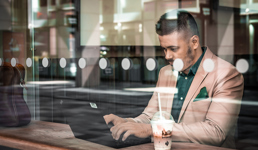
(177, 20)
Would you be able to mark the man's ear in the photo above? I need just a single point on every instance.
(195, 41)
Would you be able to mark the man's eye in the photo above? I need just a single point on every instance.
(173, 49)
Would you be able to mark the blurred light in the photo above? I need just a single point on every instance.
(104, 48)
(45, 62)
(178, 64)
(82, 63)
(50, 82)
(253, 21)
(62, 62)
(247, 10)
(103, 63)
(119, 24)
(242, 66)
(208, 65)
(13, 62)
(73, 68)
(101, 91)
(154, 89)
(140, 27)
(44, 54)
(126, 63)
(102, 36)
(251, 29)
(104, 52)
(124, 37)
(151, 64)
(116, 27)
(175, 73)
(35, 4)
(30, 26)
(29, 62)
(68, 8)
(101, 28)
(123, 3)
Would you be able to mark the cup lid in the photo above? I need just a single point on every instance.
(162, 116)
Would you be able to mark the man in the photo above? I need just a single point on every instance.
(207, 103)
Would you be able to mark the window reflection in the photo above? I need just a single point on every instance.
(108, 51)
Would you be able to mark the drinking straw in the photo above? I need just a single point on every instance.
(160, 112)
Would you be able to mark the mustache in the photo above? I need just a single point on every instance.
(170, 60)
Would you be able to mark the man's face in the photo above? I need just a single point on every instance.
(175, 46)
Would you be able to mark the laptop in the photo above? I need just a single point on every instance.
(87, 123)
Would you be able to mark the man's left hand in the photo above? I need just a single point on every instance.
(140, 130)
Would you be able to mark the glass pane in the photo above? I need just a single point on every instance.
(89, 58)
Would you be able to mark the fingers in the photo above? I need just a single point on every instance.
(108, 118)
(127, 133)
(117, 130)
(114, 119)
(121, 128)
(138, 129)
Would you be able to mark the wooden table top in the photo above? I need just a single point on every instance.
(42, 135)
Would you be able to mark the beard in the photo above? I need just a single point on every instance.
(190, 56)
(189, 60)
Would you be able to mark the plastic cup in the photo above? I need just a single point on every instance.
(162, 134)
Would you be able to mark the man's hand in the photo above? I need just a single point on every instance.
(114, 119)
(140, 130)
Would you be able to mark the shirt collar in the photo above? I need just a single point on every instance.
(195, 67)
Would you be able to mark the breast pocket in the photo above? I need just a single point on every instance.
(200, 108)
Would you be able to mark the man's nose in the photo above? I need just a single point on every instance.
(168, 55)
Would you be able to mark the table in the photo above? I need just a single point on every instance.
(42, 135)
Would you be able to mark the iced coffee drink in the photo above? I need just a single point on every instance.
(162, 132)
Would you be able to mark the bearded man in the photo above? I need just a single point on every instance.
(207, 102)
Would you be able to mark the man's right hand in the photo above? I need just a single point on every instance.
(114, 119)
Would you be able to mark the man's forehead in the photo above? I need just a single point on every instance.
(172, 38)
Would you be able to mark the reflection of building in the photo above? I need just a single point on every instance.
(53, 28)
(125, 28)
(62, 28)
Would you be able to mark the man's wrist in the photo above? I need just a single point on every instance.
(150, 130)
(129, 120)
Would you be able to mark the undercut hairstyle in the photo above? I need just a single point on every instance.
(177, 20)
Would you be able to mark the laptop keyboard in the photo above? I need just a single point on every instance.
(132, 140)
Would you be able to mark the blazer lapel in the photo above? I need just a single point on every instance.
(170, 96)
(167, 80)
(198, 79)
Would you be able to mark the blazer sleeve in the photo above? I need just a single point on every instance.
(221, 116)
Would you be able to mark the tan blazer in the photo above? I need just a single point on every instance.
(210, 121)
